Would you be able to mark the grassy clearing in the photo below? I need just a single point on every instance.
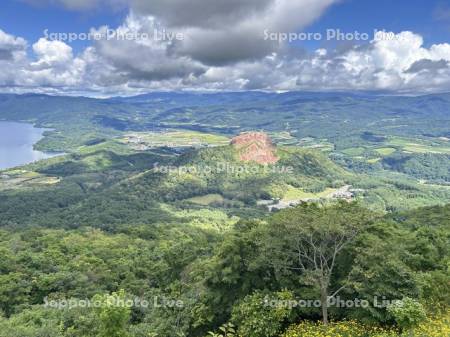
(16, 179)
(115, 146)
(207, 199)
(98, 162)
(293, 193)
(143, 140)
(354, 151)
(419, 146)
(386, 151)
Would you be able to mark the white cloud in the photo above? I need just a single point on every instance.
(223, 48)
(401, 64)
(145, 59)
(11, 48)
(382, 65)
(51, 53)
(53, 64)
(241, 37)
(218, 32)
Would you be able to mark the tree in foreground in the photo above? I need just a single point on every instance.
(309, 239)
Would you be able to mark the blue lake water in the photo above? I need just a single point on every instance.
(16, 144)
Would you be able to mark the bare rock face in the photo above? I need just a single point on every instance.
(256, 147)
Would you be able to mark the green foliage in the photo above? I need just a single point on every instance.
(14, 290)
(308, 241)
(428, 166)
(34, 322)
(79, 120)
(338, 329)
(218, 276)
(226, 330)
(255, 317)
(408, 313)
(113, 314)
(201, 237)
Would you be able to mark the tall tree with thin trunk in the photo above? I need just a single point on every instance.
(308, 240)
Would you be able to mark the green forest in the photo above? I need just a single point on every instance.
(198, 280)
(145, 227)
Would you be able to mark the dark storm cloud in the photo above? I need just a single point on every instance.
(218, 32)
(219, 48)
(143, 63)
(199, 13)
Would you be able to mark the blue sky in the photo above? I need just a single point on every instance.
(29, 21)
(223, 48)
(418, 16)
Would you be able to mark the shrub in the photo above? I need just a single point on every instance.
(255, 317)
(113, 314)
(437, 327)
(408, 313)
(226, 330)
(338, 329)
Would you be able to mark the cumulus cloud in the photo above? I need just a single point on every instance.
(232, 31)
(390, 64)
(51, 53)
(53, 64)
(201, 13)
(11, 47)
(218, 32)
(12, 58)
(427, 65)
(223, 47)
(147, 58)
(399, 64)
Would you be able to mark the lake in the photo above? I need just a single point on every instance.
(16, 144)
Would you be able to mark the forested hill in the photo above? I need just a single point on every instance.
(339, 117)
(103, 187)
(160, 199)
(221, 280)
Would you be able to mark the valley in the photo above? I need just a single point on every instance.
(201, 199)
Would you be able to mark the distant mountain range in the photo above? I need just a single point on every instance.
(333, 116)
